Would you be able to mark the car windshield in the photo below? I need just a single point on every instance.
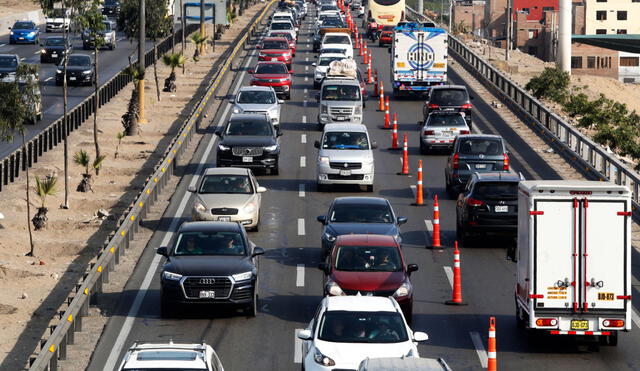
(272, 68)
(286, 35)
(228, 184)
(58, 13)
(282, 18)
(480, 146)
(446, 120)
(326, 8)
(8, 61)
(163, 369)
(110, 2)
(501, 190)
(336, 39)
(449, 97)
(79, 60)
(281, 26)
(363, 213)
(275, 44)
(106, 27)
(54, 41)
(249, 127)
(324, 61)
(368, 259)
(332, 22)
(341, 92)
(362, 327)
(256, 97)
(333, 51)
(209, 243)
(24, 26)
(345, 140)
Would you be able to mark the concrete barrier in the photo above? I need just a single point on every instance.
(8, 21)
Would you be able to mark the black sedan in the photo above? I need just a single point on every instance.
(249, 140)
(358, 215)
(79, 70)
(54, 49)
(210, 263)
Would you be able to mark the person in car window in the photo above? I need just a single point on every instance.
(383, 332)
(232, 246)
(240, 185)
(358, 330)
(384, 262)
(189, 246)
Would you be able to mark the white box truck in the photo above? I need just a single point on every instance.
(418, 58)
(574, 258)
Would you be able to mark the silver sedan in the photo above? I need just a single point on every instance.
(441, 129)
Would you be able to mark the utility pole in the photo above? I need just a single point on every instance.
(203, 32)
(420, 7)
(142, 36)
(65, 108)
(183, 24)
(450, 13)
(564, 47)
(509, 22)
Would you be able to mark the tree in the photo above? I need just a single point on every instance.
(120, 135)
(92, 23)
(199, 40)
(44, 187)
(16, 101)
(83, 159)
(130, 117)
(552, 83)
(172, 60)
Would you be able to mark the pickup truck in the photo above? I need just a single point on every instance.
(58, 20)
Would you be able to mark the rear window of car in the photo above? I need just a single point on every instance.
(272, 68)
(502, 190)
(275, 44)
(336, 39)
(449, 97)
(478, 146)
(446, 120)
(281, 26)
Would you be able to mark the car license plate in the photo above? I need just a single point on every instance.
(502, 209)
(21, 38)
(207, 294)
(579, 324)
(274, 59)
(481, 166)
(224, 218)
(54, 55)
(449, 109)
(446, 133)
(345, 172)
(341, 118)
(247, 159)
(72, 78)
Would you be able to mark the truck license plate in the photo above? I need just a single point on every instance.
(345, 172)
(502, 209)
(481, 166)
(247, 159)
(207, 294)
(579, 324)
(224, 218)
(341, 118)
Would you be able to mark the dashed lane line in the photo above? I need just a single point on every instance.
(301, 191)
(301, 227)
(303, 138)
(300, 275)
(477, 343)
(303, 161)
(304, 119)
(48, 79)
(449, 272)
(297, 350)
(635, 317)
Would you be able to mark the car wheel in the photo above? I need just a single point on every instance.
(42, 60)
(112, 46)
(288, 96)
(58, 83)
(252, 308)
(275, 170)
(316, 85)
(521, 321)
(12, 42)
(321, 187)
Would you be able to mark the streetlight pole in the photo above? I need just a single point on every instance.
(203, 32)
(450, 14)
(142, 36)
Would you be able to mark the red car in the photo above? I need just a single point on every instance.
(274, 74)
(290, 39)
(275, 49)
(386, 36)
(370, 265)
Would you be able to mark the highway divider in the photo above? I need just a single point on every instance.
(70, 320)
(578, 149)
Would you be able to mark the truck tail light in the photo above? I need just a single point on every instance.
(613, 323)
(546, 322)
(455, 161)
(433, 106)
(466, 106)
(429, 132)
(465, 132)
(475, 203)
(505, 162)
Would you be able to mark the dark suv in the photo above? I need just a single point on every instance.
(474, 153)
(209, 263)
(488, 204)
(249, 140)
(449, 98)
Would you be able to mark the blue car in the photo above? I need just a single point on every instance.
(24, 32)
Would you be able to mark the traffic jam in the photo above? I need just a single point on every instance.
(570, 279)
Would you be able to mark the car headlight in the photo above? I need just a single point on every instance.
(334, 289)
(321, 359)
(86, 72)
(32, 33)
(223, 147)
(242, 276)
(323, 160)
(199, 207)
(237, 110)
(403, 290)
(324, 108)
(43, 51)
(358, 110)
(58, 71)
(11, 33)
(171, 276)
(250, 207)
(271, 148)
(329, 237)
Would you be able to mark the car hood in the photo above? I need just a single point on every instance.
(274, 51)
(347, 155)
(78, 68)
(248, 140)
(389, 229)
(7, 69)
(219, 200)
(368, 281)
(270, 76)
(256, 106)
(56, 47)
(349, 355)
(22, 31)
(208, 265)
(322, 69)
(344, 103)
(55, 19)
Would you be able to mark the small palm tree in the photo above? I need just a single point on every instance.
(83, 159)
(119, 136)
(130, 118)
(199, 40)
(173, 60)
(45, 186)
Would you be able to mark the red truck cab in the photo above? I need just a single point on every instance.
(274, 74)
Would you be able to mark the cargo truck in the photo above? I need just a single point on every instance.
(574, 258)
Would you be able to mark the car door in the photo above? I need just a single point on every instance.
(461, 202)
(307, 344)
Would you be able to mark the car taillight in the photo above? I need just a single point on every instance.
(466, 106)
(474, 202)
(455, 161)
(505, 162)
(431, 105)
(546, 322)
(465, 132)
(429, 132)
(613, 323)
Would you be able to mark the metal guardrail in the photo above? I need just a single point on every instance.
(61, 335)
(581, 151)
(54, 133)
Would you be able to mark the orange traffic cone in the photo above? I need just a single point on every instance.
(435, 239)
(357, 41)
(405, 155)
(386, 103)
(386, 119)
(365, 60)
(419, 198)
(381, 98)
(360, 52)
(457, 280)
(492, 364)
(394, 138)
(369, 77)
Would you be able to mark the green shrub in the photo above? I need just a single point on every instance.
(552, 84)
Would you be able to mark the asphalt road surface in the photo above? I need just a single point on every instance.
(290, 285)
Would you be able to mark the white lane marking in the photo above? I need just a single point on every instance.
(306, 68)
(22, 59)
(303, 138)
(1, 45)
(635, 317)
(413, 189)
(304, 103)
(303, 161)
(300, 275)
(114, 355)
(297, 344)
(301, 227)
(449, 272)
(477, 343)
(36, 53)
(306, 78)
(304, 119)
(301, 191)
(306, 91)
(122, 38)
(429, 224)
(306, 59)
(48, 79)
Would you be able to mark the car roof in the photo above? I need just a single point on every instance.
(249, 116)
(493, 176)
(479, 136)
(275, 38)
(357, 303)
(332, 55)
(255, 88)
(340, 80)
(359, 200)
(366, 240)
(210, 227)
(270, 62)
(445, 113)
(226, 171)
(10, 55)
(441, 87)
(345, 127)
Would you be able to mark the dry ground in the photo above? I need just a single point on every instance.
(9, 7)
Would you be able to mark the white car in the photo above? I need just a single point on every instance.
(170, 356)
(284, 26)
(259, 99)
(322, 65)
(440, 130)
(337, 40)
(348, 329)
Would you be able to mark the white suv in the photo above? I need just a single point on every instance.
(170, 356)
(348, 329)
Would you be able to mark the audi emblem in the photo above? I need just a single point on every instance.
(207, 281)
(247, 151)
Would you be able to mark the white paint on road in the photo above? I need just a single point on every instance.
(48, 79)
(297, 345)
(300, 275)
(306, 68)
(304, 119)
(301, 191)
(429, 224)
(36, 53)
(306, 78)
(635, 317)
(306, 59)
(303, 161)
(477, 343)
(306, 91)
(1, 45)
(303, 138)
(449, 272)
(301, 227)
(304, 103)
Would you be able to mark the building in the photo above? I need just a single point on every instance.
(534, 10)
(469, 14)
(536, 36)
(592, 60)
(494, 21)
(612, 17)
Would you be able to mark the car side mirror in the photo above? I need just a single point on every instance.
(304, 334)
(279, 133)
(261, 189)
(259, 47)
(374, 145)
(218, 132)
(162, 251)
(420, 336)
(280, 101)
(191, 188)
(232, 100)
(257, 251)
(250, 72)
(313, 64)
(322, 219)
(471, 97)
(324, 267)
(316, 144)
(291, 72)
(412, 268)
(402, 220)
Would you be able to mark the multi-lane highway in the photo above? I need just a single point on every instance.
(109, 64)
(290, 285)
